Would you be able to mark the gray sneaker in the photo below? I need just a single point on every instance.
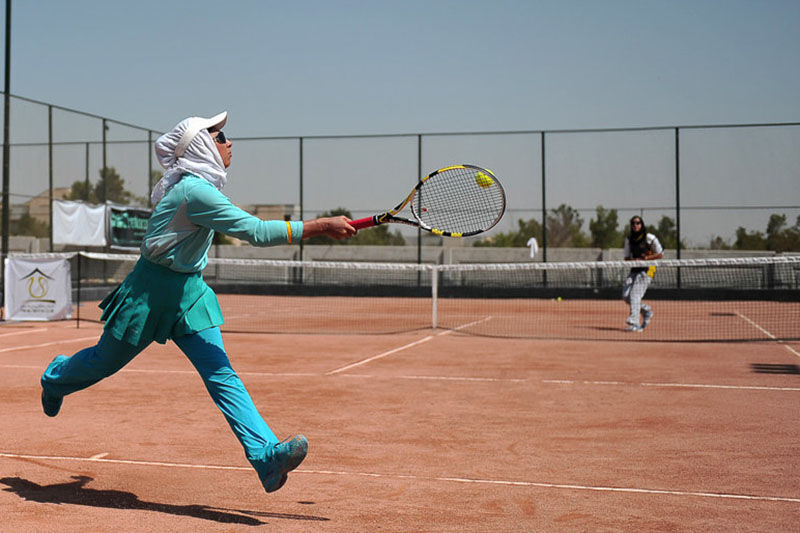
(279, 460)
(634, 327)
(51, 405)
(648, 316)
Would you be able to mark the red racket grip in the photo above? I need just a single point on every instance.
(362, 223)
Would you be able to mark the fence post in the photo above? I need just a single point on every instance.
(300, 148)
(86, 182)
(544, 207)
(419, 178)
(149, 168)
(50, 168)
(6, 150)
(678, 201)
(104, 172)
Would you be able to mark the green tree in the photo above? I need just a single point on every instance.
(80, 191)
(564, 228)
(27, 225)
(718, 243)
(604, 229)
(514, 239)
(109, 187)
(379, 235)
(667, 233)
(781, 238)
(749, 240)
(778, 237)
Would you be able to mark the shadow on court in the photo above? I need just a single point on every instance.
(76, 493)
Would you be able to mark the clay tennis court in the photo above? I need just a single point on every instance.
(425, 430)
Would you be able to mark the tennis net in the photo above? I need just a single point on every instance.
(733, 299)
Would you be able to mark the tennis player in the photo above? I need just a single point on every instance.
(165, 297)
(639, 246)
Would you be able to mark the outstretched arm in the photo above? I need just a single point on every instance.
(337, 227)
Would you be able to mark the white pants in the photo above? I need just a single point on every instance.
(632, 293)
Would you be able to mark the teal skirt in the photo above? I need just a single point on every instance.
(155, 303)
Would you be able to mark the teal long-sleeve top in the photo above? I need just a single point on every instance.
(181, 228)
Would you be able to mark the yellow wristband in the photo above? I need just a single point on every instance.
(289, 231)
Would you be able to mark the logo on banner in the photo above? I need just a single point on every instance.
(37, 284)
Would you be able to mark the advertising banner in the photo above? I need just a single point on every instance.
(37, 289)
(127, 226)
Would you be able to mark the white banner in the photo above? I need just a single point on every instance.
(79, 223)
(37, 289)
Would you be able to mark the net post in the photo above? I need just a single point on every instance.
(434, 296)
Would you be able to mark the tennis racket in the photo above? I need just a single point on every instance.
(455, 201)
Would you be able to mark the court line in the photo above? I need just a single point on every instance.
(768, 334)
(194, 372)
(460, 378)
(667, 385)
(568, 486)
(438, 378)
(23, 332)
(401, 348)
(735, 387)
(759, 328)
(62, 341)
(380, 355)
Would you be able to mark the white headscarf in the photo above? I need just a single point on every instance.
(200, 156)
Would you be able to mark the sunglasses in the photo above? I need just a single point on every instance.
(220, 138)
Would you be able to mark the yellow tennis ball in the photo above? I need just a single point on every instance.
(483, 180)
(559, 298)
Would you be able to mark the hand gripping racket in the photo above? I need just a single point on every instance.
(456, 201)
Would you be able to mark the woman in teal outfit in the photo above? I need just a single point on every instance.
(165, 297)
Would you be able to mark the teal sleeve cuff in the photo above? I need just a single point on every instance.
(297, 231)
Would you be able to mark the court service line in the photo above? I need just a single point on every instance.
(62, 341)
(401, 348)
(759, 328)
(99, 458)
(767, 333)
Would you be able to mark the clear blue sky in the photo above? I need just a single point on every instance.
(333, 67)
(342, 67)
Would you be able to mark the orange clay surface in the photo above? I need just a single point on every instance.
(430, 430)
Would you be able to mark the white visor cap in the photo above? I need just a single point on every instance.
(193, 128)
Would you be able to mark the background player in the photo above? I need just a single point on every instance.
(641, 246)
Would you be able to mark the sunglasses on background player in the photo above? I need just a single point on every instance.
(220, 138)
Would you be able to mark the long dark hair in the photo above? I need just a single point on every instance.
(637, 235)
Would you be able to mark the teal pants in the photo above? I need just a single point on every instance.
(204, 349)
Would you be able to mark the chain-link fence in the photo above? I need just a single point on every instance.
(701, 183)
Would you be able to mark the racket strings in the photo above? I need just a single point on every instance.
(460, 200)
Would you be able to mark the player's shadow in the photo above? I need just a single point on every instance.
(76, 493)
